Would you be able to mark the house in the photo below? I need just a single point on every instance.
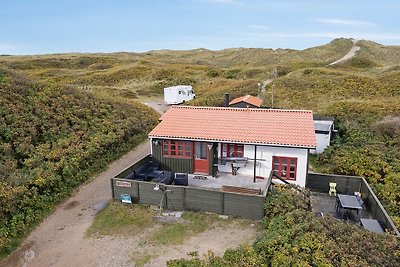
(246, 101)
(203, 140)
(324, 128)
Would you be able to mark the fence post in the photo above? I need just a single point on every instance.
(223, 203)
(112, 188)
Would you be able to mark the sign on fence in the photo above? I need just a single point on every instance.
(123, 184)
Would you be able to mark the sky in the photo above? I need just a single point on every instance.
(60, 26)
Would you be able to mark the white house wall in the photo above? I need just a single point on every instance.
(264, 160)
(323, 141)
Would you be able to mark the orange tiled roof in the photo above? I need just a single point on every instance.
(252, 100)
(238, 125)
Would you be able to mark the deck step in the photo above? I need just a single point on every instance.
(241, 190)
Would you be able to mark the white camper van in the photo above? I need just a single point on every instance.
(178, 94)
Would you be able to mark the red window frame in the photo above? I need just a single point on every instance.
(177, 149)
(232, 150)
(285, 167)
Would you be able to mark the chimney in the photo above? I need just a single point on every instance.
(226, 100)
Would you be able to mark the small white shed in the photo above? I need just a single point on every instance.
(178, 94)
(324, 128)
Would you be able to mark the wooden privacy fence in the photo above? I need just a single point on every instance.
(191, 198)
(348, 185)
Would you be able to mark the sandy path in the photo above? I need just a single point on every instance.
(349, 55)
(59, 239)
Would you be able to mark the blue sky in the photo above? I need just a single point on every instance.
(59, 26)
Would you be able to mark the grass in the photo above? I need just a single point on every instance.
(194, 223)
(142, 259)
(121, 220)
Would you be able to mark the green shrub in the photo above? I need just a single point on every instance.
(51, 140)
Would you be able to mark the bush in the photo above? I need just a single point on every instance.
(53, 139)
(286, 198)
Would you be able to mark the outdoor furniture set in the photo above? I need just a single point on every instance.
(354, 203)
(150, 172)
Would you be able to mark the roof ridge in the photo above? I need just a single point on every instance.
(240, 109)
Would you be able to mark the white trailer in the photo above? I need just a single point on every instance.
(178, 94)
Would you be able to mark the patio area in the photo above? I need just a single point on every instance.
(324, 204)
(239, 180)
(244, 177)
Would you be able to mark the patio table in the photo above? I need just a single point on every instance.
(348, 202)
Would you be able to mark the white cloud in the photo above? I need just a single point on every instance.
(231, 2)
(344, 22)
(259, 27)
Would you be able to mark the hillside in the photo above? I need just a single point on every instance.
(59, 111)
(52, 138)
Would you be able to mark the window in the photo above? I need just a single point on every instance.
(201, 150)
(232, 150)
(285, 167)
(177, 149)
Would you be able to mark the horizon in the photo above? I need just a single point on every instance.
(65, 27)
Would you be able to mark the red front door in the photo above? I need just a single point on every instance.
(201, 157)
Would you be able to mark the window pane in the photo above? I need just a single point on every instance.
(166, 142)
(173, 153)
(201, 150)
(292, 168)
(284, 161)
(187, 153)
(180, 143)
(180, 153)
(180, 148)
(292, 175)
(173, 147)
(276, 160)
(165, 149)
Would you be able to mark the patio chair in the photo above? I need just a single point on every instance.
(234, 169)
(332, 189)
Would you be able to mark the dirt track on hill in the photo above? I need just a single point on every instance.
(349, 55)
